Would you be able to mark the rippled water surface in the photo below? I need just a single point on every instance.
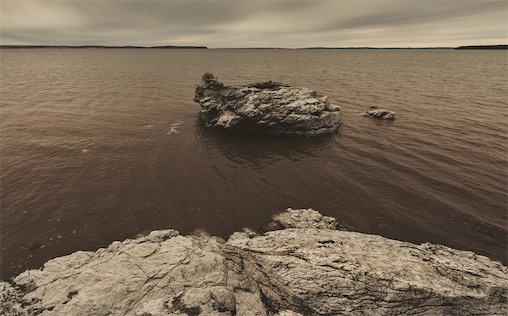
(87, 156)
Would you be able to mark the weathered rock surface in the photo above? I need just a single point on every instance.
(309, 269)
(266, 107)
(378, 113)
(305, 218)
(326, 272)
(160, 274)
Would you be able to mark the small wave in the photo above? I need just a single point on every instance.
(176, 124)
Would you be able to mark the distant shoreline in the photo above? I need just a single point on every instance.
(470, 47)
(98, 46)
(483, 47)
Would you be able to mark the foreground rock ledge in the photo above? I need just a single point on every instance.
(306, 268)
(266, 107)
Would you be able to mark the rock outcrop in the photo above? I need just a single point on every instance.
(304, 218)
(378, 113)
(266, 107)
(308, 268)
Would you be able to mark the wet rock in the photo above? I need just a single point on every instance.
(308, 268)
(378, 113)
(266, 107)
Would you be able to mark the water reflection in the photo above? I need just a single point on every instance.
(257, 151)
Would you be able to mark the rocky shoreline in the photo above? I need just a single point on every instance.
(306, 267)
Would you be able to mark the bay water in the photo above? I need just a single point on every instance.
(98, 145)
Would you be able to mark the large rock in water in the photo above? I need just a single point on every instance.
(266, 107)
(307, 268)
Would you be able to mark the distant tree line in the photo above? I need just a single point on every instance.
(484, 47)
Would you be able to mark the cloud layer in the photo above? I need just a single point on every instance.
(255, 23)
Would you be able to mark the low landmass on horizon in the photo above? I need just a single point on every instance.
(472, 47)
(102, 46)
(483, 47)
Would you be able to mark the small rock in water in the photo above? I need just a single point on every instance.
(378, 113)
(266, 107)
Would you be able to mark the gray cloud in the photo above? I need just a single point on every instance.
(404, 13)
(242, 23)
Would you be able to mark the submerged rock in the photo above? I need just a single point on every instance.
(309, 269)
(266, 107)
(378, 113)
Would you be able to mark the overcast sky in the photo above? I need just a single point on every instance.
(255, 23)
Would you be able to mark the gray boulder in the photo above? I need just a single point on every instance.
(309, 269)
(266, 107)
(378, 113)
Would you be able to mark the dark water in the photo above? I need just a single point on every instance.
(86, 157)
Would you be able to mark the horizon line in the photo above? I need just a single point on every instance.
(34, 46)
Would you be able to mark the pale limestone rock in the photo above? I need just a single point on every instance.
(330, 272)
(308, 269)
(266, 107)
(305, 218)
(288, 313)
(157, 307)
(134, 276)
